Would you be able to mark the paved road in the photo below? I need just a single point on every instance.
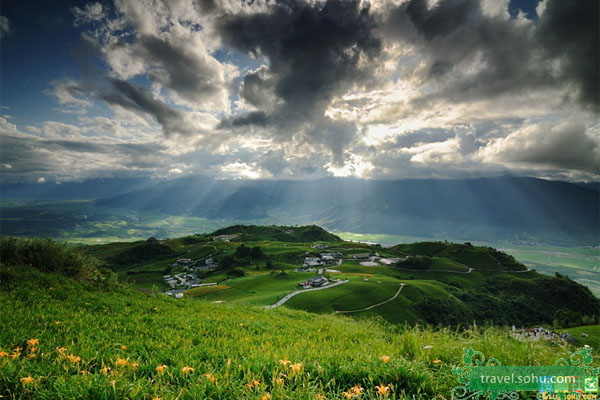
(289, 296)
(375, 305)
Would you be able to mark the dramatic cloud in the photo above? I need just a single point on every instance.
(565, 145)
(306, 89)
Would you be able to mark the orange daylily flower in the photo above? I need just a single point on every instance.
(187, 370)
(73, 358)
(265, 396)
(285, 363)
(382, 390)
(357, 390)
(210, 377)
(296, 367)
(436, 361)
(33, 342)
(121, 361)
(161, 368)
(385, 359)
(279, 381)
(27, 380)
(3, 354)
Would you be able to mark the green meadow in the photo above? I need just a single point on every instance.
(65, 339)
(74, 329)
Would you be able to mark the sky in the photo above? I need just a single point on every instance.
(255, 89)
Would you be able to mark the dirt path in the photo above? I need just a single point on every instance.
(375, 305)
(289, 296)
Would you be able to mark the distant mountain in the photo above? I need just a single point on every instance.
(89, 189)
(487, 209)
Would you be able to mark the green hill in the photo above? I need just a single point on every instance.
(299, 234)
(84, 339)
(444, 283)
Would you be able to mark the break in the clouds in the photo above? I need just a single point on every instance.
(301, 89)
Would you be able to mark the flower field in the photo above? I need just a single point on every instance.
(64, 339)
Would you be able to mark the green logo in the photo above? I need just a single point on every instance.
(566, 379)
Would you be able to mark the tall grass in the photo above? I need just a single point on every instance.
(52, 256)
(92, 342)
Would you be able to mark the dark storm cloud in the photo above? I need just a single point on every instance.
(139, 99)
(257, 118)
(257, 89)
(443, 19)
(455, 32)
(190, 76)
(313, 50)
(569, 30)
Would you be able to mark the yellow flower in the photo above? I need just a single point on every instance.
(73, 358)
(134, 365)
(84, 372)
(123, 347)
(3, 354)
(436, 361)
(161, 368)
(187, 370)
(120, 362)
(61, 349)
(27, 380)
(357, 390)
(296, 367)
(57, 322)
(113, 383)
(32, 342)
(32, 355)
(14, 355)
(279, 381)
(253, 383)
(265, 396)
(320, 397)
(348, 394)
(285, 363)
(385, 359)
(210, 377)
(156, 398)
(17, 349)
(105, 370)
(241, 324)
(33, 349)
(382, 390)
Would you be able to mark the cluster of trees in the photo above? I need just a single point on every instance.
(557, 301)
(243, 256)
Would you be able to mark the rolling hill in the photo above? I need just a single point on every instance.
(87, 336)
(443, 283)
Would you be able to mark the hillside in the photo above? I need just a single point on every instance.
(428, 282)
(298, 234)
(63, 338)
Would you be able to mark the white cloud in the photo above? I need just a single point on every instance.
(564, 145)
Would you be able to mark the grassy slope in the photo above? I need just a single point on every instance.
(236, 344)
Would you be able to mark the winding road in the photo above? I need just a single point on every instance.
(289, 296)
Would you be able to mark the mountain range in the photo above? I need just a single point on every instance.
(503, 208)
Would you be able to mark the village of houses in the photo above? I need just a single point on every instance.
(320, 263)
